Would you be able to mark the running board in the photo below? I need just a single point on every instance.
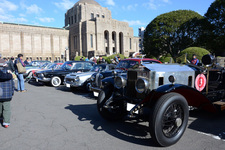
(220, 105)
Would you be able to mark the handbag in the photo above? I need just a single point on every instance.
(20, 68)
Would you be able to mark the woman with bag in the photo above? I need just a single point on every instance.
(20, 69)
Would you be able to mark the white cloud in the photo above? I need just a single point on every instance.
(130, 7)
(33, 9)
(46, 19)
(65, 4)
(166, 1)
(110, 2)
(7, 5)
(151, 4)
(134, 22)
(10, 18)
(155, 4)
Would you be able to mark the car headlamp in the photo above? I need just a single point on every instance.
(120, 82)
(141, 85)
(93, 78)
(77, 79)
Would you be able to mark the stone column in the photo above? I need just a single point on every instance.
(22, 42)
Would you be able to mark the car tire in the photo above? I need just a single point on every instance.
(169, 119)
(56, 81)
(87, 86)
(115, 110)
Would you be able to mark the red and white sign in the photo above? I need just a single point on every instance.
(200, 82)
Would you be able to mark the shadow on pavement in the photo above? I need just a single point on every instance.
(77, 91)
(130, 131)
(209, 124)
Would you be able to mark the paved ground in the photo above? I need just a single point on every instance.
(48, 118)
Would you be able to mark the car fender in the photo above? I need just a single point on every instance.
(193, 96)
(108, 81)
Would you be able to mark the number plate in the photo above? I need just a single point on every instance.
(68, 85)
(130, 106)
(95, 94)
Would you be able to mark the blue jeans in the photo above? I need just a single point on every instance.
(20, 86)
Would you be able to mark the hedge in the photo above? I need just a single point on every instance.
(198, 51)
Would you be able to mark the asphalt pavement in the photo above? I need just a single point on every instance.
(48, 118)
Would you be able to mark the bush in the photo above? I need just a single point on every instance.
(77, 58)
(198, 51)
(108, 59)
(166, 59)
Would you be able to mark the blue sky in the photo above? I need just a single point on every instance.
(138, 13)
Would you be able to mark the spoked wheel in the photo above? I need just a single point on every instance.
(108, 108)
(56, 81)
(169, 119)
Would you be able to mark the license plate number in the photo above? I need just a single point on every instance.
(130, 106)
(68, 85)
(95, 94)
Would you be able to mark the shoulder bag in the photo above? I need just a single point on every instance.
(20, 68)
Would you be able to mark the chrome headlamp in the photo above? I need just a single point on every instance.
(77, 79)
(120, 82)
(93, 77)
(141, 85)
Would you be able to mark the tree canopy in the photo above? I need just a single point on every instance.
(216, 17)
(168, 33)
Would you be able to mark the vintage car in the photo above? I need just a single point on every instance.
(121, 68)
(162, 94)
(82, 79)
(30, 68)
(55, 77)
(47, 66)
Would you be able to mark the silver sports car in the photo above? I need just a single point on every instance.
(82, 79)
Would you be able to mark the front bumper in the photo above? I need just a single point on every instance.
(42, 79)
(73, 84)
(95, 89)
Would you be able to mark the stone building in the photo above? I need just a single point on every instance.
(34, 42)
(93, 32)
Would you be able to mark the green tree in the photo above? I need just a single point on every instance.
(164, 34)
(216, 16)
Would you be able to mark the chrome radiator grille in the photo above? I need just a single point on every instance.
(131, 80)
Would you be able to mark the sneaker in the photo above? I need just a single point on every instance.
(24, 91)
(6, 126)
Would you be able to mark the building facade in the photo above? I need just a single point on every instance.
(93, 32)
(34, 42)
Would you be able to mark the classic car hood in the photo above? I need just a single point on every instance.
(167, 67)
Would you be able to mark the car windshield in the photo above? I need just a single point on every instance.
(126, 64)
(45, 65)
(53, 66)
(98, 68)
(76, 65)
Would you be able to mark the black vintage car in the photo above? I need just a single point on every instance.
(56, 77)
(120, 69)
(162, 94)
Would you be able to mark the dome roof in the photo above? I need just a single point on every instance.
(88, 2)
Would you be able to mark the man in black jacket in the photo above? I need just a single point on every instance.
(6, 93)
(11, 65)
